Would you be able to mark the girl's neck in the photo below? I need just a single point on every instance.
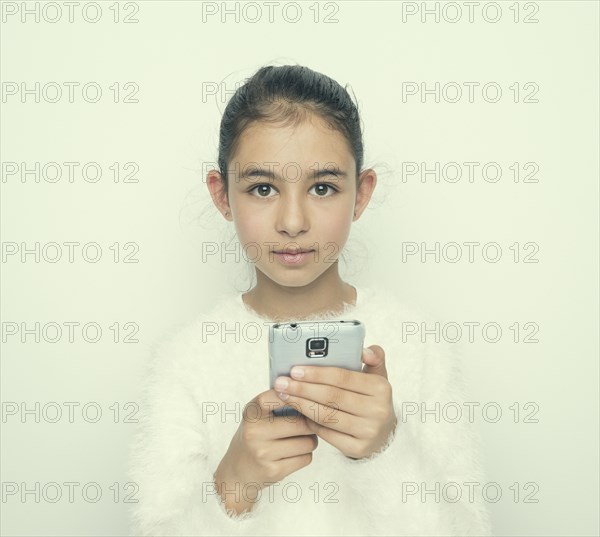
(280, 303)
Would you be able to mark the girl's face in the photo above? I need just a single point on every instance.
(294, 188)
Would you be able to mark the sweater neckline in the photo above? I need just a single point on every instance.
(347, 306)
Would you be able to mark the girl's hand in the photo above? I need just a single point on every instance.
(264, 450)
(351, 410)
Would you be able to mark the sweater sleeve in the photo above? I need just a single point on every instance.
(172, 463)
(403, 486)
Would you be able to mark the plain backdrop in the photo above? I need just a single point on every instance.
(378, 49)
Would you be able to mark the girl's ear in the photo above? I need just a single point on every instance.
(218, 192)
(364, 191)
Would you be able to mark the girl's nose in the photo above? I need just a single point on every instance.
(292, 217)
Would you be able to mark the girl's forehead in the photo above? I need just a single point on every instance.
(264, 141)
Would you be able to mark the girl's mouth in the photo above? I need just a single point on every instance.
(289, 257)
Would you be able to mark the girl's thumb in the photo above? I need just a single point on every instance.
(374, 359)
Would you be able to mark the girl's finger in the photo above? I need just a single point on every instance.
(355, 381)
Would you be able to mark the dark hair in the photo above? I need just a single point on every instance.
(286, 95)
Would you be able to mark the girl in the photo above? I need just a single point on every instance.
(210, 457)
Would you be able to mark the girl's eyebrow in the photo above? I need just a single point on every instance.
(315, 174)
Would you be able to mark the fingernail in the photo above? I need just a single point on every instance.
(369, 352)
(297, 372)
(281, 384)
(283, 396)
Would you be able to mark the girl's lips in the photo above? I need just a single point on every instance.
(293, 258)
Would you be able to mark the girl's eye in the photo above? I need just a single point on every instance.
(324, 188)
(321, 188)
(262, 188)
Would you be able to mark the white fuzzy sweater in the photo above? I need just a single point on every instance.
(203, 374)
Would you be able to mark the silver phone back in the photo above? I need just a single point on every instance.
(298, 343)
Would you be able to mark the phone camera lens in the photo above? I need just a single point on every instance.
(317, 344)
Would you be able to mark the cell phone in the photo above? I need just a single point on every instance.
(324, 343)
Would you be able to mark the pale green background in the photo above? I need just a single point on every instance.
(170, 53)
